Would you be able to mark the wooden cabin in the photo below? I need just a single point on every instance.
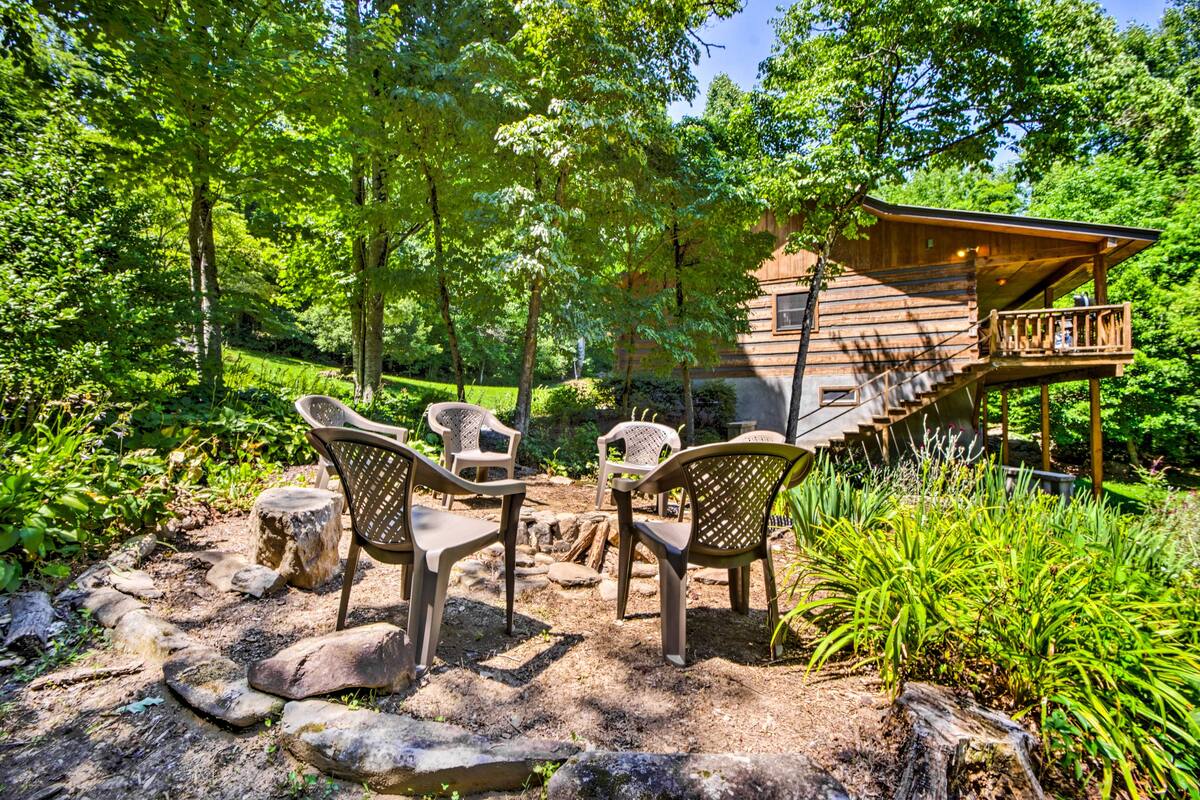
(933, 309)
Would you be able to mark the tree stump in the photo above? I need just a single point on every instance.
(29, 630)
(955, 748)
(295, 531)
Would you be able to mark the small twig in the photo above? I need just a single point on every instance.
(82, 674)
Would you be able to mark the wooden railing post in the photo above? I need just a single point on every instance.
(1126, 327)
(993, 332)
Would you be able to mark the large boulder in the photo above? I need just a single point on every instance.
(401, 755)
(376, 656)
(295, 531)
(703, 776)
(215, 685)
(955, 748)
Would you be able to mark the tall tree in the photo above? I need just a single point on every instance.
(707, 259)
(195, 93)
(857, 94)
(578, 122)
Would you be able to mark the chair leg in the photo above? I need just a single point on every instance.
(322, 474)
(682, 506)
(406, 581)
(601, 485)
(624, 570)
(448, 500)
(662, 503)
(672, 589)
(425, 608)
(347, 582)
(739, 589)
(510, 573)
(772, 605)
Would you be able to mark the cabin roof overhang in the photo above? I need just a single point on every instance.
(1060, 257)
(1010, 223)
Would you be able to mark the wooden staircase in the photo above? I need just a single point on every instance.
(900, 392)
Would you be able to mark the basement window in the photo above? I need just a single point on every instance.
(789, 312)
(839, 395)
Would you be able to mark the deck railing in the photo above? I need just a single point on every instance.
(1082, 330)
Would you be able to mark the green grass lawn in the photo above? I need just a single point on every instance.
(307, 375)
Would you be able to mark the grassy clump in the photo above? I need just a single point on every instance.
(1078, 619)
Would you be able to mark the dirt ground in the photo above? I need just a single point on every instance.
(570, 671)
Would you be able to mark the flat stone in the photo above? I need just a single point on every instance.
(133, 551)
(295, 531)
(531, 583)
(108, 606)
(215, 685)
(134, 582)
(601, 775)
(401, 755)
(543, 558)
(148, 635)
(607, 590)
(641, 570)
(524, 560)
(471, 566)
(954, 747)
(541, 535)
(560, 480)
(231, 574)
(376, 656)
(644, 588)
(570, 575)
(540, 569)
(496, 549)
(712, 576)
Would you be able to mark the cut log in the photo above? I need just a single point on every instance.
(29, 630)
(595, 557)
(955, 748)
(583, 541)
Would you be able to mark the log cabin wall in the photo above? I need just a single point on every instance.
(908, 291)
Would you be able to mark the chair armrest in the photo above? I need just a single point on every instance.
(438, 478)
(400, 434)
(513, 441)
(434, 425)
(665, 477)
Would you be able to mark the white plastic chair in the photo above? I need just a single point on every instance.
(644, 443)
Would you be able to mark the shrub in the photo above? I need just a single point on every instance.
(70, 488)
(1075, 617)
(661, 399)
(570, 451)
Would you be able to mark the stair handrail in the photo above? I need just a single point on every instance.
(887, 388)
(859, 389)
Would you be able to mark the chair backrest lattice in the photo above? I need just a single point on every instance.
(378, 488)
(769, 437)
(463, 424)
(732, 497)
(644, 442)
(320, 411)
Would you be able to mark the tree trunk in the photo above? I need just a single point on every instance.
(370, 250)
(439, 260)
(810, 308)
(528, 356)
(627, 383)
(207, 290)
(689, 411)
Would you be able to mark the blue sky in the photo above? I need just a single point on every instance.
(748, 35)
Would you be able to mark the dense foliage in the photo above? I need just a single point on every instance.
(1080, 620)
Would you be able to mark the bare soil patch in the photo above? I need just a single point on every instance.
(570, 671)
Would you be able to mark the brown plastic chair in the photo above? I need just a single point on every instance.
(322, 411)
(459, 425)
(732, 487)
(749, 436)
(379, 476)
(644, 443)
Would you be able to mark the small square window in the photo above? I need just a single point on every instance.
(839, 395)
(789, 311)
